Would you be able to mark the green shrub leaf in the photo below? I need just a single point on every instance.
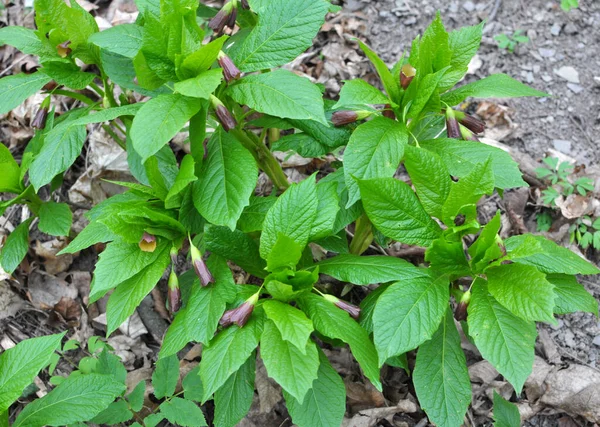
(15, 248)
(571, 296)
(182, 412)
(293, 325)
(17, 88)
(234, 398)
(55, 218)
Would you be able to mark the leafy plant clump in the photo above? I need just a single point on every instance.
(236, 100)
(510, 41)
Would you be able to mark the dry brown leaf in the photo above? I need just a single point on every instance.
(370, 417)
(269, 392)
(46, 290)
(10, 302)
(574, 206)
(48, 250)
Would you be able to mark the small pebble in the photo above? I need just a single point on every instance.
(547, 78)
(536, 68)
(555, 30)
(546, 53)
(468, 6)
(571, 29)
(568, 73)
(410, 21)
(596, 341)
(575, 88)
(569, 338)
(562, 145)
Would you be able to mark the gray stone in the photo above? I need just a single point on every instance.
(575, 88)
(410, 21)
(596, 341)
(546, 53)
(568, 73)
(468, 6)
(562, 145)
(547, 78)
(555, 30)
(571, 29)
(569, 338)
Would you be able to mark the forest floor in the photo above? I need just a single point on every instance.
(561, 57)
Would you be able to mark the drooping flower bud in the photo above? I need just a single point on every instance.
(174, 294)
(452, 126)
(230, 71)
(241, 314)
(351, 309)
(344, 117)
(245, 4)
(471, 123)
(39, 120)
(460, 313)
(407, 74)
(232, 18)
(173, 253)
(63, 49)
(200, 266)
(223, 115)
(466, 134)
(147, 243)
(388, 112)
(222, 18)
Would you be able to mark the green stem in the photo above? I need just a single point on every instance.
(74, 95)
(273, 135)
(114, 136)
(97, 89)
(363, 235)
(263, 156)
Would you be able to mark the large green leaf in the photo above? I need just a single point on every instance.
(67, 74)
(234, 398)
(441, 377)
(280, 93)
(546, 255)
(407, 314)
(506, 414)
(494, 86)
(327, 210)
(358, 92)
(78, 398)
(226, 181)
(116, 413)
(129, 294)
(571, 296)
(27, 41)
(292, 215)
(293, 325)
(284, 30)
(394, 209)
(15, 248)
(366, 270)
(165, 376)
(374, 151)
(461, 157)
(324, 404)
(10, 180)
(504, 339)
(17, 88)
(227, 352)
(254, 214)
(159, 120)
(335, 323)
(390, 84)
(448, 257)
(292, 368)
(182, 412)
(432, 187)
(19, 365)
(55, 218)
(124, 39)
(524, 290)
(202, 85)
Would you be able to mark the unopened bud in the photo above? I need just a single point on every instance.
(471, 123)
(351, 309)
(39, 120)
(460, 313)
(147, 243)
(407, 74)
(232, 18)
(63, 49)
(174, 293)
(200, 266)
(230, 71)
(245, 4)
(222, 18)
(344, 117)
(388, 112)
(466, 134)
(452, 126)
(223, 115)
(241, 314)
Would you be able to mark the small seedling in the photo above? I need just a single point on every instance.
(509, 42)
(567, 5)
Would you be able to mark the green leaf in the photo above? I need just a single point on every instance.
(335, 323)
(301, 143)
(292, 215)
(182, 412)
(432, 188)
(485, 248)
(448, 258)
(293, 325)
(391, 86)
(394, 209)
(95, 232)
(165, 376)
(366, 270)
(67, 74)
(19, 366)
(198, 320)
(55, 218)
(461, 157)
(374, 151)
(324, 404)
(62, 146)
(226, 353)
(426, 95)
(359, 92)
(571, 296)
(465, 193)
(506, 414)
(286, 254)
(111, 364)
(159, 120)
(234, 398)
(441, 377)
(27, 41)
(15, 247)
(129, 294)
(201, 60)
(407, 314)
(17, 88)
(201, 86)
(78, 398)
(254, 214)
(464, 44)
(10, 180)
(327, 210)
(226, 180)
(124, 39)
(292, 368)
(116, 413)
(136, 397)
(367, 307)
(280, 93)
(503, 339)
(494, 86)
(284, 31)
(184, 178)
(546, 255)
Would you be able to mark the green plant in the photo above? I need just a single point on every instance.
(586, 232)
(558, 174)
(205, 203)
(510, 41)
(567, 5)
